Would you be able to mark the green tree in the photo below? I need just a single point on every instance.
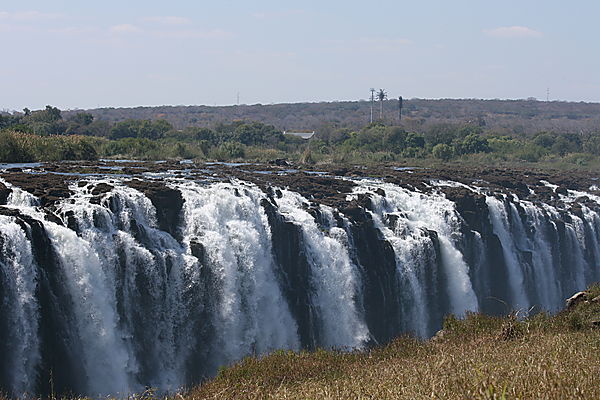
(442, 151)
(49, 114)
(544, 139)
(394, 140)
(82, 118)
(153, 129)
(415, 140)
(592, 144)
(474, 143)
(228, 151)
(257, 133)
(125, 129)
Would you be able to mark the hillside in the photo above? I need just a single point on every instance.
(516, 116)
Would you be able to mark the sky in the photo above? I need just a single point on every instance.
(88, 54)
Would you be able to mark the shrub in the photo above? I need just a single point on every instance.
(530, 152)
(228, 151)
(442, 151)
(24, 147)
(132, 148)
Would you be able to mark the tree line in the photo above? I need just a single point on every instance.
(47, 135)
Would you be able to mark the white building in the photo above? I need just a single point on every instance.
(303, 135)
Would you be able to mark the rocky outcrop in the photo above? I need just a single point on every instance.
(48, 188)
(293, 272)
(471, 206)
(575, 299)
(4, 193)
(167, 201)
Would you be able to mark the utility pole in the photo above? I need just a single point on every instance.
(372, 102)
(400, 108)
(238, 98)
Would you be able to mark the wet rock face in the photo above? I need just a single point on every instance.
(48, 188)
(167, 201)
(4, 193)
(356, 209)
(101, 188)
(294, 272)
(377, 262)
(471, 206)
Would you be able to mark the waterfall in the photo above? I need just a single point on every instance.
(334, 277)
(115, 288)
(544, 250)
(411, 216)
(19, 308)
(251, 315)
(501, 221)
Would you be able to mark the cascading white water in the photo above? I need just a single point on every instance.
(533, 259)
(105, 354)
(410, 247)
(594, 226)
(19, 300)
(252, 316)
(502, 228)
(334, 276)
(544, 269)
(592, 220)
(90, 260)
(417, 212)
(154, 257)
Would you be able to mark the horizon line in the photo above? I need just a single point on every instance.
(100, 107)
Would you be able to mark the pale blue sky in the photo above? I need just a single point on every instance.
(84, 54)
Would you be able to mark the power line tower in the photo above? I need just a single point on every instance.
(547, 94)
(372, 102)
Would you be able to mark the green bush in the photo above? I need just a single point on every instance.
(24, 147)
(442, 151)
(16, 147)
(228, 151)
(132, 148)
(530, 152)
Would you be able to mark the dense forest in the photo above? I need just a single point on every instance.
(466, 130)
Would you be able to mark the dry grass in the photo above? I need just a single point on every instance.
(476, 358)
(536, 366)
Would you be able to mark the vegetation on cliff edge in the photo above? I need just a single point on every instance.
(45, 135)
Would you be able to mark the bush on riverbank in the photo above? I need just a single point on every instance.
(26, 147)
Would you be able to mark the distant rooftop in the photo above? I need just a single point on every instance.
(303, 135)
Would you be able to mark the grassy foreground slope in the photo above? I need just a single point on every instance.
(479, 357)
